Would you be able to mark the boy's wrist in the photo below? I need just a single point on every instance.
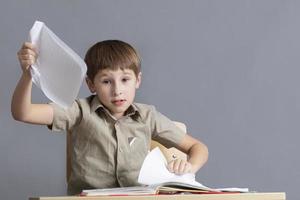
(194, 168)
(26, 73)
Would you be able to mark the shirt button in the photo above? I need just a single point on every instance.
(120, 149)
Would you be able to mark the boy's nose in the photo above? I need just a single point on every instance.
(117, 93)
(117, 90)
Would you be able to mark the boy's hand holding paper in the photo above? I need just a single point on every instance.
(179, 166)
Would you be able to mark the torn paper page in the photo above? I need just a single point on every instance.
(58, 71)
(154, 171)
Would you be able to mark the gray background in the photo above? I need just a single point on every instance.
(228, 69)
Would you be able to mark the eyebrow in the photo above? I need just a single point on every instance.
(125, 73)
(128, 73)
(105, 74)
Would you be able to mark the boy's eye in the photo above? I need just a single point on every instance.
(125, 79)
(106, 81)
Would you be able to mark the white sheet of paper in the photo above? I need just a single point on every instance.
(58, 71)
(154, 171)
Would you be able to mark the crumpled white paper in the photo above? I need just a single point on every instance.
(58, 71)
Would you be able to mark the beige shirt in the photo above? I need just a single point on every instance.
(108, 152)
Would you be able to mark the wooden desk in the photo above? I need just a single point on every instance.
(243, 196)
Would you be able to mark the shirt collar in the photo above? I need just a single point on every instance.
(97, 105)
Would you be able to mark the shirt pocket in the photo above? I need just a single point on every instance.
(138, 140)
(137, 151)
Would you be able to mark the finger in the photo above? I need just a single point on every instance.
(170, 166)
(26, 57)
(27, 51)
(28, 48)
(28, 45)
(181, 167)
(176, 166)
(188, 167)
(26, 63)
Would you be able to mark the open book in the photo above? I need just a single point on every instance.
(163, 188)
(156, 179)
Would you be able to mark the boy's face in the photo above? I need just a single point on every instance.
(115, 89)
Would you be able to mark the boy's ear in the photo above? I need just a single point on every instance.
(138, 80)
(90, 85)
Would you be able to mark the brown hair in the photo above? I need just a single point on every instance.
(111, 54)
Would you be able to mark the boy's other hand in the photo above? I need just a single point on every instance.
(27, 56)
(179, 166)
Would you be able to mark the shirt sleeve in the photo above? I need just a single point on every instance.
(165, 131)
(65, 119)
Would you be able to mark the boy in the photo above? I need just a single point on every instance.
(110, 133)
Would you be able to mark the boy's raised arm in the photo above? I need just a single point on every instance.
(21, 107)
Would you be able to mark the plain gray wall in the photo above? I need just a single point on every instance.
(228, 69)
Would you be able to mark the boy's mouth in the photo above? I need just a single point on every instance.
(119, 102)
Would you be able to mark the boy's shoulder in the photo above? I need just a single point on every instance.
(144, 109)
(88, 103)
(143, 106)
(85, 101)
